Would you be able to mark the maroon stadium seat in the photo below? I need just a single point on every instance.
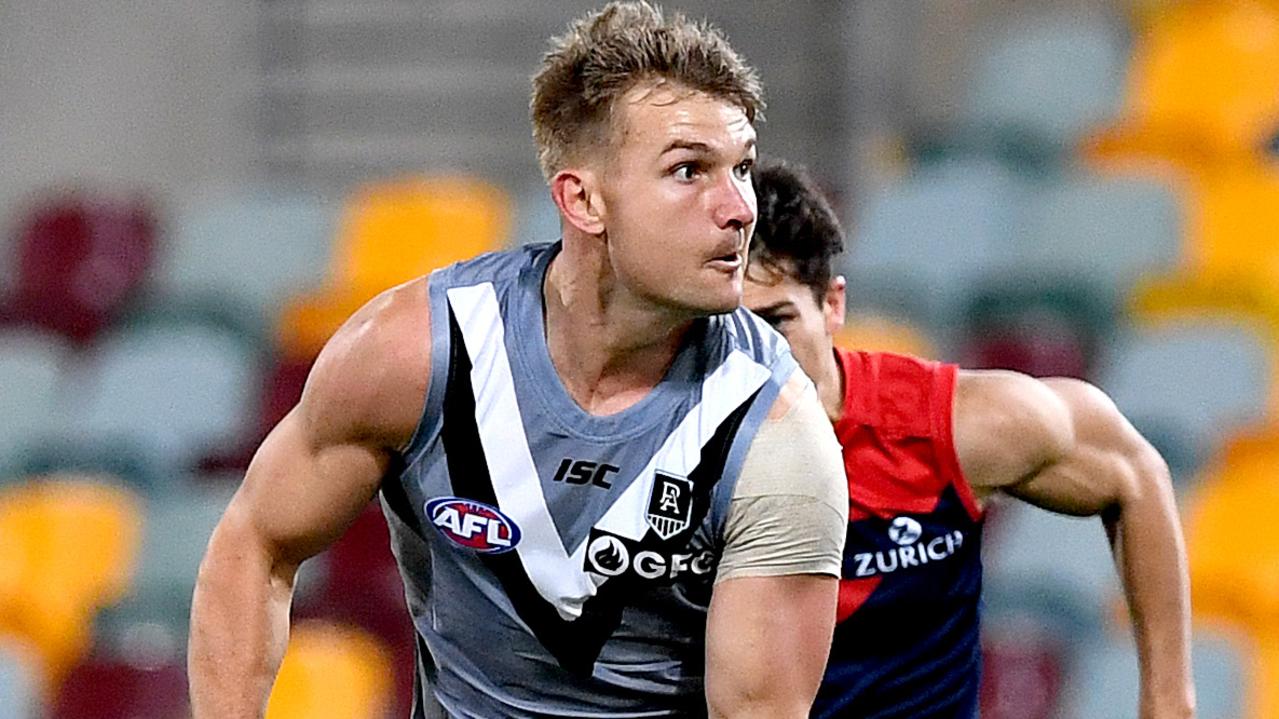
(105, 688)
(362, 586)
(79, 261)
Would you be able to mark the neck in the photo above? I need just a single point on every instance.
(830, 386)
(609, 347)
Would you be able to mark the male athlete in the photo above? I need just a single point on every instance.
(610, 491)
(926, 445)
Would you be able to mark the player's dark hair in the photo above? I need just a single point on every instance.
(796, 231)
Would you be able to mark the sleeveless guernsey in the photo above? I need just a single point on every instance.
(907, 643)
(558, 563)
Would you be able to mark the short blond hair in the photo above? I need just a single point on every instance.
(606, 53)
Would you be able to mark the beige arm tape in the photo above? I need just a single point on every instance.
(789, 512)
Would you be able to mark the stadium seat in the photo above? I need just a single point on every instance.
(107, 688)
(69, 548)
(390, 233)
(1195, 376)
(176, 391)
(362, 558)
(1023, 669)
(878, 333)
(1230, 510)
(33, 369)
(19, 691)
(1234, 227)
(1178, 108)
(1050, 77)
(1107, 229)
(1056, 568)
(331, 672)
(537, 217)
(936, 234)
(1105, 681)
(1036, 325)
(283, 385)
(81, 259)
(248, 254)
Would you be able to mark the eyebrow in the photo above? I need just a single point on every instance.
(696, 146)
(775, 307)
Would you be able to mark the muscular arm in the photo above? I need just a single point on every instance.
(772, 614)
(1062, 445)
(314, 473)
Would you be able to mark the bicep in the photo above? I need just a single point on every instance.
(1105, 462)
(300, 494)
(754, 622)
(323, 463)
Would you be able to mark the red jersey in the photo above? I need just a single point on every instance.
(907, 643)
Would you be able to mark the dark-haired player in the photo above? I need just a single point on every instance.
(925, 446)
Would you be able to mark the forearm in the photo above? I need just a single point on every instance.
(239, 628)
(1150, 552)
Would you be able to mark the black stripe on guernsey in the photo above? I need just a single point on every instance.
(397, 499)
(576, 645)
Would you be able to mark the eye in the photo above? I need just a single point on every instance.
(744, 168)
(776, 321)
(687, 171)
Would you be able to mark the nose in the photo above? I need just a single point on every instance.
(734, 203)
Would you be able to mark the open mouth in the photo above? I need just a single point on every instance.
(729, 261)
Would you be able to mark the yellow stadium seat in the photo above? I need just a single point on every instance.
(1233, 540)
(881, 334)
(332, 671)
(70, 544)
(1233, 223)
(1202, 86)
(392, 232)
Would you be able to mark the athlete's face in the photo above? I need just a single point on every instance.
(808, 323)
(680, 206)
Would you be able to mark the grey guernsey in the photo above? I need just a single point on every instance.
(558, 563)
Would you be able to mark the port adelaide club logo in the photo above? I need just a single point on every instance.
(670, 506)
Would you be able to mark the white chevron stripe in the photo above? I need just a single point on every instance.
(723, 391)
(559, 577)
(516, 485)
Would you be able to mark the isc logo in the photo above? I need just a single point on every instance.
(473, 525)
(583, 471)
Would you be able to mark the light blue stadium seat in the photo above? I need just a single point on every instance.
(935, 234)
(153, 619)
(1110, 230)
(1105, 682)
(32, 373)
(1050, 565)
(174, 391)
(1198, 377)
(537, 219)
(1053, 77)
(19, 695)
(248, 253)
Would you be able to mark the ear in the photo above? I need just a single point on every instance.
(834, 304)
(573, 191)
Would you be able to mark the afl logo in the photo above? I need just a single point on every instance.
(904, 531)
(473, 525)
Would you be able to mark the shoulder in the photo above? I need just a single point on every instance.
(897, 393)
(1007, 425)
(794, 451)
(369, 383)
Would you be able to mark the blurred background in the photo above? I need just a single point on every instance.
(195, 194)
